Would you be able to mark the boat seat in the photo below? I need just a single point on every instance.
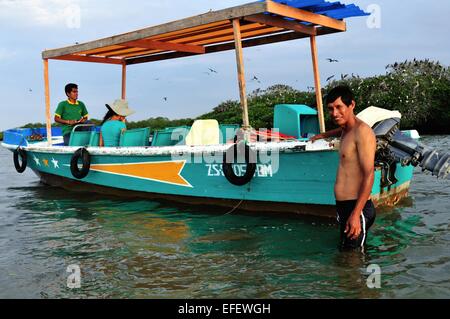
(204, 132)
(95, 139)
(81, 138)
(136, 137)
(228, 131)
(170, 136)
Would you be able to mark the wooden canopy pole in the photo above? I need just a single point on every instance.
(124, 80)
(317, 84)
(47, 104)
(241, 74)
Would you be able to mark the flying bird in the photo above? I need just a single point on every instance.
(343, 76)
(256, 79)
(328, 79)
(165, 98)
(332, 60)
(212, 70)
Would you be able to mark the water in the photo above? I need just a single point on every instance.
(144, 249)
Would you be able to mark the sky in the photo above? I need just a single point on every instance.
(397, 30)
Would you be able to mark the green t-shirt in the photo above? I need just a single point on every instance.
(68, 111)
(111, 131)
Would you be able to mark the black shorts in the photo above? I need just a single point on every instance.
(344, 209)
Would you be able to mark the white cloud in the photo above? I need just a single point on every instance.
(38, 12)
(59, 13)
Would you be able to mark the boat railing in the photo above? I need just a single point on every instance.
(82, 125)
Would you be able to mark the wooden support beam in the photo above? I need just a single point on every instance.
(186, 35)
(288, 36)
(99, 51)
(241, 73)
(169, 36)
(217, 33)
(261, 31)
(175, 26)
(80, 58)
(302, 15)
(124, 80)
(317, 85)
(134, 48)
(281, 23)
(168, 46)
(129, 52)
(222, 35)
(48, 118)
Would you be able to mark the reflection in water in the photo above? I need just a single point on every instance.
(142, 249)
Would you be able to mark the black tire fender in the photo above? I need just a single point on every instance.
(20, 167)
(250, 161)
(83, 154)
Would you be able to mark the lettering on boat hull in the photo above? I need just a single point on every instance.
(262, 170)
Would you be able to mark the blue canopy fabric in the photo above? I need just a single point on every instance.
(335, 10)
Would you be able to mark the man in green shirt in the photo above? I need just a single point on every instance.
(70, 112)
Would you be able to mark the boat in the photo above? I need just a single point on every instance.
(235, 166)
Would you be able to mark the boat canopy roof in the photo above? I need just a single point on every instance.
(261, 22)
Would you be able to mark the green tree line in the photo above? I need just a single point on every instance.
(419, 89)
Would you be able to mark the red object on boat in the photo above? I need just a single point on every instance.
(269, 135)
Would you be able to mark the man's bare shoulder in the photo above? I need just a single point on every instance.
(364, 131)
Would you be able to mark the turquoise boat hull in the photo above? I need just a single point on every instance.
(302, 181)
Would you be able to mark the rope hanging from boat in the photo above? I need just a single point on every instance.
(234, 208)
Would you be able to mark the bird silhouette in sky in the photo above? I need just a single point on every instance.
(343, 76)
(156, 79)
(30, 90)
(328, 79)
(212, 70)
(165, 98)
(332, 60)
(256, 79)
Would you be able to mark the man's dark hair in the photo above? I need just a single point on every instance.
(341, 91)
(69, 87)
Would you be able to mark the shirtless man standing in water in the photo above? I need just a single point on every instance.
(355, 176)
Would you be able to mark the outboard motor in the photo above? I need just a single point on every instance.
(395, 147)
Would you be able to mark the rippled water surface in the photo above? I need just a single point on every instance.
(143, 249)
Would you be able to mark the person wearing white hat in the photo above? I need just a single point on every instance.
(114, 123)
